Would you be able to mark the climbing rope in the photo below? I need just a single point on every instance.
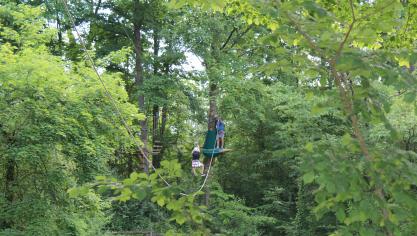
(114, 104)
(208, 171)
(207, 174)
(108, 94)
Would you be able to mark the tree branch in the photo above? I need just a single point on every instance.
(348, 106)
(240, 36)
(309, 39)
(97, 7)
(228, 38)
(342, 44)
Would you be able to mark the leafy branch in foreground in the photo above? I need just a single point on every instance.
(140, 186)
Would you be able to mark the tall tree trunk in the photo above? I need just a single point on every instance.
(211, 125)
(164, 119)
(137, 26)
(301, 223)
(164, 116)
(156, 158)
(9, 180)
(97, 8)
(10, 177)
(155, 110)
(58, 26)
(155, 123)
(212, 113)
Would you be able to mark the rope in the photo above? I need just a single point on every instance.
(108, 94)
(119, 113)
(207, 174)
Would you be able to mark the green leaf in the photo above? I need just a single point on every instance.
(393, 218)
(139, 194)
(410, 97)
(309, 147)
(272, 26)
(308, 177)
(128, 181)
(413, 58)
(310, 96)
(175, 205)
(180, 218)
(366, 231)
(73, 192)
(317, 109)
(159, 199)
(134, 176)
(347, 139)
(78, 191)
(340, 214)
(125, 194)
(100, 178)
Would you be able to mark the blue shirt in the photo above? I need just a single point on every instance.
(220, 125)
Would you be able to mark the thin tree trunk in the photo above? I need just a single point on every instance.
(97, 8)
(129, 164)
(164, 116)
(10, 178)
(211, 125)
(301, 219)
(137, 26)
(164, 119)
(156, 158)
(58, 26)
(212, 113)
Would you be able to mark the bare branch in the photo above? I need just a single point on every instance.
(240, 36)
(97, 8)
(352, 9)
(228, 38)
(342, 44)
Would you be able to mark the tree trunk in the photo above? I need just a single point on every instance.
(10, 178)
(137, 26)
(212, 113)
(58, 26)
(211, 125)
(156, 157)
(164, 120)
(302, 226)
(164, 115)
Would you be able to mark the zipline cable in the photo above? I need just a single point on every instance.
(207, 174)
(119, 113)
(208, 171)
(127, 127)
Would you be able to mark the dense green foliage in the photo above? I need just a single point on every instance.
(318, 97)
(57, 131)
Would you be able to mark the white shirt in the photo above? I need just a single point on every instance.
(196, 149)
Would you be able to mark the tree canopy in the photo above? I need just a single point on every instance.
(102, 102)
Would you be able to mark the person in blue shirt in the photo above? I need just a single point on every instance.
(220, 133)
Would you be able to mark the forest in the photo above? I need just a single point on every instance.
(208, 117)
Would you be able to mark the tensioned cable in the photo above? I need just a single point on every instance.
(127, 127)
(208, 171)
